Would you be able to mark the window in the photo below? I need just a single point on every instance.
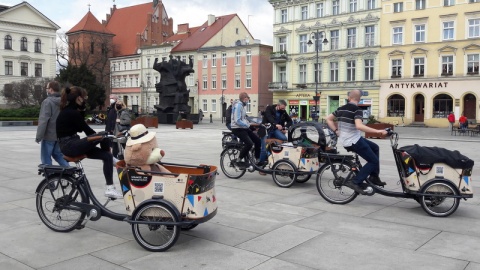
(396, 68)
(237, 81)
(282, 44)
(237, 58)
(249, 57)
(38, 70)
(370, 4)
(334, 39)
(397, 35)
(319, 10)
(283, 15)
(23, 44)
(303, 43)
(214, 105)
(448, 3)
(368, 69)
(474, 28)
(184, 59)
(317, 69)
(442, 106)
(420, 33)
(248, 108)
(420, 4)
(92, 47)
(473, 63)
(214, 59)
(214, 81)
(418, 67)
(396, 106)
(304, 12)
(205, 82)
(353, 5)
(8, 67)
(398, 7)
(148, 64)
(7, 42)
(369, 36)
(334, 71)
(248, 80)
(224, 59)
(205, 61)
(447, 65)
(302, 69)
(38, 45)
(282, 74)
(448, 31)
(224, 81)
(351, 37)
(351, 71)
(205, 105)
(23, 69)
(335, 7)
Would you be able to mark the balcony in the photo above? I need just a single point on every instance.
(278, 86)
(279, 56)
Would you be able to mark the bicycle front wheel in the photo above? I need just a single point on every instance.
(329, 180)
(227, 157)
(53, 201)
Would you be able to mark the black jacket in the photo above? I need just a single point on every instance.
(270, 115)
(111, 119)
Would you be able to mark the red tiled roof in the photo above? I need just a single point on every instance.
(89, 23)
(126, 23)
(200, 37)
(182, 36)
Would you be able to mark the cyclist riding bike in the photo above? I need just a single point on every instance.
(279, 119)
(241, 128)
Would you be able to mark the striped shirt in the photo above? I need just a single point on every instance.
(346, 116)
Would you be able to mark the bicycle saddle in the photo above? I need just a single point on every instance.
(74, 159)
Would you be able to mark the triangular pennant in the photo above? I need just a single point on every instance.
(407, 160)
(303, 161)
(190, 198)
(205, 213)
(196, 189)
(465, 178)
(190, 182)
(410, 170)
(213, 198)
(124, 188)
(199, 198)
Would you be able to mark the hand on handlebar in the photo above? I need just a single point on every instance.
(388, 132)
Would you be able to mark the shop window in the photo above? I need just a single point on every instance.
(396, 106)
(442, 106)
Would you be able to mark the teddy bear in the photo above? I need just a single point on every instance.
(142, 150)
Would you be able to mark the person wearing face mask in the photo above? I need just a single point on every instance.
(70, 122)
(110, 124)
(276, 116)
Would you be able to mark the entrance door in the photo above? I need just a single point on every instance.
(469, 109)
(334, 104)
(303, 113)
(419, 108)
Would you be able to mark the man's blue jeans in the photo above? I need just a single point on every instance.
(263, 149)
(51, 149)
(277, 134)
(369, 151)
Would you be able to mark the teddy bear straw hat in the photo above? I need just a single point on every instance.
(139, 134)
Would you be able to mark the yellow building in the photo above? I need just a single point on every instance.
(348, 54)
(430, 54)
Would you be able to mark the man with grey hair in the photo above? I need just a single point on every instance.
(279, 119)
(350, 124)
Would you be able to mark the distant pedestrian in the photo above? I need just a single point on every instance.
(451, 120)
(111, 122)
(46, 130)
(463, 122)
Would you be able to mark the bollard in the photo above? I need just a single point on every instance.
(211, 120)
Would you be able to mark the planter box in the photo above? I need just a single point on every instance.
(377, 126)
(184, 123)
(147, 121)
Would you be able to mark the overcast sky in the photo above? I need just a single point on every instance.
(255, 14)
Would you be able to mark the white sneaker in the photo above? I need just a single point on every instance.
(112, 192)
(115, 160)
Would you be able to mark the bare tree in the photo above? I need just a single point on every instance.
(29, 92)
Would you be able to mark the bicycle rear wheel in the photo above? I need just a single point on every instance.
(227, 157)
(53, 198)
(333, 192)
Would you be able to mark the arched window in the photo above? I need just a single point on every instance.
(442, 106)
(396, 106)
(23, 44)
(8, 42)
(38, 45)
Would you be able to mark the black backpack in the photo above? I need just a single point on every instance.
(228, 115)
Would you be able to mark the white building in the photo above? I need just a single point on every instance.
(29, 45)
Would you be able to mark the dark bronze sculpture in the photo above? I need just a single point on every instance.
(172, 87)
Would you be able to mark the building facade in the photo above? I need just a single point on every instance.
(344, 39)
(430, 61)
(29, 45)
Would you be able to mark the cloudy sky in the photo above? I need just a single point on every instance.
(255, 14)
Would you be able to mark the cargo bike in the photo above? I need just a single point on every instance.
(157, 205)
(435, 177)
(288, 162)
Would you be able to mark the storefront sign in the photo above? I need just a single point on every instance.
(365, 102)
(418, 85)
(293, 102)
(303, 102)
(303, 95)
(312, 102)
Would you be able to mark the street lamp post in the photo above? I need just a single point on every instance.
(317, 35)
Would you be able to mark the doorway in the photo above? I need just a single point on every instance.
(419, 108)
(303, 113)
(469, 108)
(333, 104)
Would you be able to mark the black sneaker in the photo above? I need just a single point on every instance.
(240, 165)
(355, 187)
(376, 180)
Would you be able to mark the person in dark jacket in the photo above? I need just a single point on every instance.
(111, 122)
(279, 119)
(46, 130)
(69, 122)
